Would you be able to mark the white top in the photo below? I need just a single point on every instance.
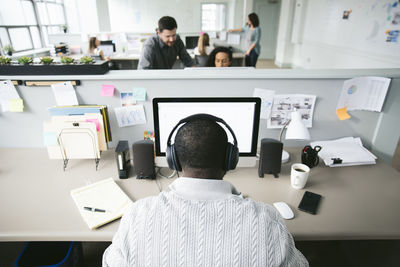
(209, 49)
(202, 222)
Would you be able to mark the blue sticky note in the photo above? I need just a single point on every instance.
(50, 139)
(139, 94)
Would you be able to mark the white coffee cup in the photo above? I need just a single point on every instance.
(299, 175)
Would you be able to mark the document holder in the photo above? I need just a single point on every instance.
(75, 140)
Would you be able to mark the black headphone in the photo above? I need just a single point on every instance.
(232, 151)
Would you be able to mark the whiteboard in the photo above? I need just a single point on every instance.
(370, 23)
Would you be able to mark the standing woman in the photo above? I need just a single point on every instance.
(253, 35)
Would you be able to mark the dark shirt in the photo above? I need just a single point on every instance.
(157, 55)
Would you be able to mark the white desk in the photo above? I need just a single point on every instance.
(35, 203)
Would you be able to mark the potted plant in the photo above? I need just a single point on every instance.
(67, 60)
(5, 60)
(87, 60)
(25, 60)
(8, 49)
(46, 60)
(65, 28)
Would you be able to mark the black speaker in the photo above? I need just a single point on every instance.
(270, 157)
(143, 159)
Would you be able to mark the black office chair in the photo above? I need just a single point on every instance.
(201, 61)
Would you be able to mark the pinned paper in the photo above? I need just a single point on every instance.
(222, 36)
(95, 121)
(107, 90)
(139, 94)
(233, 39)
(16, 105)
(342, 114)
(267, 99)
(130, 115)
(64, 94)
(127, 99)
(50, 139)
(7, 92)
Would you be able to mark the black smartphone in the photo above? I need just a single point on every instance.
(309, 202)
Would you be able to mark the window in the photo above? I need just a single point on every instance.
(213, 17)
(25, 24)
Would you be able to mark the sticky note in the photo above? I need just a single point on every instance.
(139, 94)
(96, 121)
(16, 105)
(342, 114)
(107, 90)
(50, 139)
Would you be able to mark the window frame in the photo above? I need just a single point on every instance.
(38, 24)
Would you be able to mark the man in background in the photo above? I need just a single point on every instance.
(161, 50)
(203, 220)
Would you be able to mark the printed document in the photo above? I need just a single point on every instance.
(284, 105)
(349, 150)
(364, 93)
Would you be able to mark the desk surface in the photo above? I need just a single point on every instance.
(359, 202)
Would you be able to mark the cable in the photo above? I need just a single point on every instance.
(158, 185)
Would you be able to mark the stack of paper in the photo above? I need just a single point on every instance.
(348, 150)
(106, 199)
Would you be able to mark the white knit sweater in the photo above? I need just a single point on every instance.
(202, 222)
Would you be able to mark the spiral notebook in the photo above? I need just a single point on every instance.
(101, 202)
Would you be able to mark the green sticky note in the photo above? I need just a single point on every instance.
(16, 105)
(139, 94)
(50, 139)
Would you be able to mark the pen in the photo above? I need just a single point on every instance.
(94, 209)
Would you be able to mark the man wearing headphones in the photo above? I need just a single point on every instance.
(203, 220)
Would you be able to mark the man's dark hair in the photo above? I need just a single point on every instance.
(254, 19)
(201, 144)
(167, 23)
(211, 57)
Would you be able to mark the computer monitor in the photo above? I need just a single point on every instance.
(191, 42)
(241, 114)
(108, 42)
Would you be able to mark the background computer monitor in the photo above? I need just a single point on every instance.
(191, 42)
(241, 114)
(108, 42)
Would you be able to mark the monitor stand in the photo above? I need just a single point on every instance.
(243, 162)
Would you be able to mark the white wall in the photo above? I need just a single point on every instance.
(143, 15)
(81, 16)
(329, 41)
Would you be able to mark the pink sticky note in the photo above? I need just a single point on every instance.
(107, 90)
(96, 121)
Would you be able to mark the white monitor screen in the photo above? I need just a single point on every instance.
(241, 114)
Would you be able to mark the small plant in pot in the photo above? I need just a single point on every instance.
(64, 28)
(46, 60)
(5, 60)
(87, 60)
(67, 60)
(8, 49)
(25, 60)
